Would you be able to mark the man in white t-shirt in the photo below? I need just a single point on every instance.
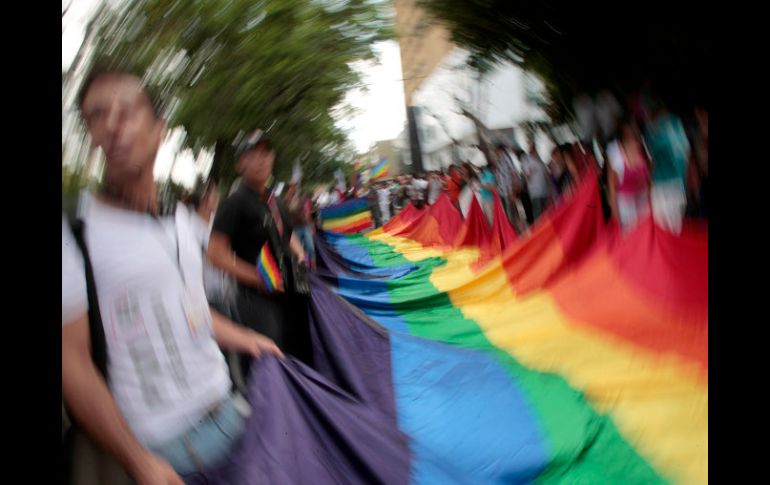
(166, 409)
(419, 187)
(537, 181)
(435, 186)
(383, 201)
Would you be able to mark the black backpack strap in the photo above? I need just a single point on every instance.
(96, 330)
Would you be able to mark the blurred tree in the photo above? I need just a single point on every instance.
(229, 67)
(576, 48)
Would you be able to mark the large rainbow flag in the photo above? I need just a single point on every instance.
(347, 217)
(451, 351)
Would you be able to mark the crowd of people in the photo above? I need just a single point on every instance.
(653, 164)
(525, 185)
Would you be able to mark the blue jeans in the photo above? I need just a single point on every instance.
(207, 444)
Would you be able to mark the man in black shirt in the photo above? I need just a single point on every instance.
(252, 217)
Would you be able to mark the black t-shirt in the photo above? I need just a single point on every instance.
(246, 219)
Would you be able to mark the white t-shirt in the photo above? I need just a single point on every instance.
(616, 159)
(419, 186)
(163, 377)
(383, 200)
(434, 190)
(536, 177)
(213, 278)
(466, 196)
(383, 197)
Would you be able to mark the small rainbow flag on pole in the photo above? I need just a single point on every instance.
(268, 269)
(380, 170)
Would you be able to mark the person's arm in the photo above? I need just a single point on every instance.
(553, 193)
(693, 179)
(89, 400)
(222, 256)
(684, 143)
(612, 184)
(241, 339)
(572, 169)
(528, 170)
(516, 183)
(295, 246)
(297, 249)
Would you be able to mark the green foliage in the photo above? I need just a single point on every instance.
(72, 181)
(229, 67)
